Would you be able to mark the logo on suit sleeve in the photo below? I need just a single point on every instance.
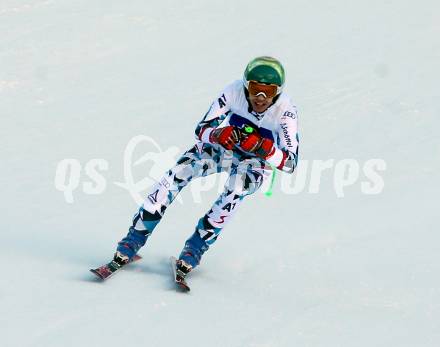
(222, 101)
(286, 134)
(289, 114)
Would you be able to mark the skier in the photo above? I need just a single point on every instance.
(249, 130)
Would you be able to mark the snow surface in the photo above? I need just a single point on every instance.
(79, 79)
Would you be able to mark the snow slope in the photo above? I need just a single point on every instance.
(79, 79)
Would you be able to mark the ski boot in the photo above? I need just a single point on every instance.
(121, 259)
(180, 271)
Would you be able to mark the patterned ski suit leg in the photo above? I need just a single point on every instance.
(200, 160)
(245, 178)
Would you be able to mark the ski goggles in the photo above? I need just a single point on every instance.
(267, 90)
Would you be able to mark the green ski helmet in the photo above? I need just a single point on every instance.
(265, 70)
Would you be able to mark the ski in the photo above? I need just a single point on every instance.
(105, 271)
(180, 281)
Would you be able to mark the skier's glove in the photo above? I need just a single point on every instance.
(228, 136)
(260, 146)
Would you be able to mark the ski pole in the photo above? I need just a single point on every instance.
(268, 193)
(249, 130)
